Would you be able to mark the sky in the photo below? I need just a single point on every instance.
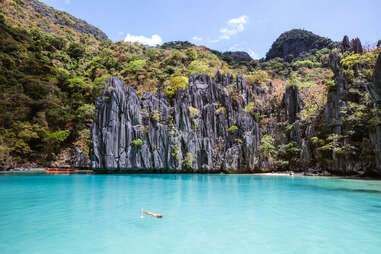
(227, 25)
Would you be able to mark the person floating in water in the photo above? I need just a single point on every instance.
(159, 216)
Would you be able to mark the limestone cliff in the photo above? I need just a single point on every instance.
(206, 129)
(375, 135)
(214, 125)
(355, 139)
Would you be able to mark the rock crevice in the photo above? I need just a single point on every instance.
(204, 130)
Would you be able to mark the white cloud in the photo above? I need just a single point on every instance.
(234, 26)
(238, 21)
(253, 54)
(153, 41)
(237, 47)
(197, 39)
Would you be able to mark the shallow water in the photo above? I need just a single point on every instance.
(204, 214)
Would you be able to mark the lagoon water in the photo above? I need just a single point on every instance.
(203, 214)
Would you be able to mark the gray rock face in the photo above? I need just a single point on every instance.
(345, 44)
(292, 102)
(333, 116)
(354, 45)
(73, 157)
(236, 57)
(357, 46)
(377, 75)
(375, 92)
(296, 42)
(375, 87)
(56, 17)
(206, 129)
(335, 121)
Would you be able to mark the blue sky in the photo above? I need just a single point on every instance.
(249, 25)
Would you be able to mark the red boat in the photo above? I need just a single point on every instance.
(60, 170)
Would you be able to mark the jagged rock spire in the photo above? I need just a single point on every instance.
(375, 87)
(356, 46)
(345, 44)
(292, 102)
(202, 131)
(353, 45)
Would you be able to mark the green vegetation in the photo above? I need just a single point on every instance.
(174, 84)
(220, 109)
(368, 59)
(51, 75)
(137, 142)
(59, 136)
(305, 63)
(50, 81)
(308, 39)
(156, 116)
(288, 154)
(258, 77)
(267, 146)
(193, 112)
(352, 62)
(188, 161)
(249, 108)
(177, 45)
(175, 153)
(136, 65)
(232, 128)
(76, 50)
(22, 14)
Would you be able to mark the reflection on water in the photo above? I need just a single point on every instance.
(203, 214)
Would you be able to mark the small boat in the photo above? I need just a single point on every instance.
(60, 170)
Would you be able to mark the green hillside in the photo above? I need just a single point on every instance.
(53, 67)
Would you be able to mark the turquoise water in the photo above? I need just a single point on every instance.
(204, 214)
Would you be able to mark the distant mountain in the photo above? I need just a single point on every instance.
(28, 14)
(233, 58)
(236, 57)
(177, 45)
(295, 42)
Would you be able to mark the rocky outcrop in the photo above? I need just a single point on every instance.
(72, 157)
(336, 104)
(354, 45)
(292, 103)
(293, 43)
(357, 46)
(375, 87)
(204, 130)
(236, 57)
(65, 19)
(213, 125)
(345, 44)
(375, 92)
(346, 130)
(177, 45)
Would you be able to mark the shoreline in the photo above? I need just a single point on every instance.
(43, 171)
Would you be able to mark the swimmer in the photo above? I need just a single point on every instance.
(159, 216)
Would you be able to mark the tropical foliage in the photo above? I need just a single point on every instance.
(51, 75)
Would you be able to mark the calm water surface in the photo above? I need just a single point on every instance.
(204, 214)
